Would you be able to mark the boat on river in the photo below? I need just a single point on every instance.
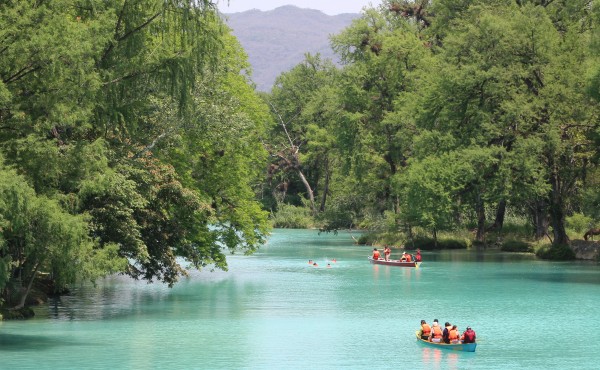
(464, 347)
(399, 263)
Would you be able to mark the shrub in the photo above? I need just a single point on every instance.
(560, 252)
(579, 223)
(421, 242)
(516, 246)
(366, 239)
(427, 243)
(292, 217)
(452, 244)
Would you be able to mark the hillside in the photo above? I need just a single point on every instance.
(277, 40)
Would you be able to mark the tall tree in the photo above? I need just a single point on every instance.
(100, 107)
(296, 140)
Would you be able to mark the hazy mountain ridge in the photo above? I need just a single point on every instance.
(277, 40)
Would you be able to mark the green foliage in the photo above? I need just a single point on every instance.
(516, 246)
(579, 223)
(367, 239)
(137, 120)
(446, 110)
(556, 252)
(427, 243)
(39, 236)
(292, 217)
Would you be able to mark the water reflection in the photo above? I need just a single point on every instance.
(433, 358)
(11, 342)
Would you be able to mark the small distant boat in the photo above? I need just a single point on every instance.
(465, 347)
(399, 263)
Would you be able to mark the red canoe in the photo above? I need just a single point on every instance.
(399, 263)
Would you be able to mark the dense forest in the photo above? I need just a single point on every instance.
(132, 140)
(447, 116)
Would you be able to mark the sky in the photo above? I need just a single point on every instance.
(330, 7)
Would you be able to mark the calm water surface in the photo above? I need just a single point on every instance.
(274, 311)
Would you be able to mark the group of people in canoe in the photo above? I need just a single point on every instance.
(406, 257)
(449, 334)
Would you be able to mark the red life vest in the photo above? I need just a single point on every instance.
(437, 332)
(469, 336)
(376, 255)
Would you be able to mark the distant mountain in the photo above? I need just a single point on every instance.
(277, 40)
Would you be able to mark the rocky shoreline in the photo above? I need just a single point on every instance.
(586, 250)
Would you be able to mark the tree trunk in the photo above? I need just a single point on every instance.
(557, 214)
(309, 191)
(480, 219)
(499, 220)
(540, 218)
(27, 290)
(325, 187)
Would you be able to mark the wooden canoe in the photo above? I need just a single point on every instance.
(464, 347)
(399, 263)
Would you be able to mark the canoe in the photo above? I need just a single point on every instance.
(399, 263)
(465, 347)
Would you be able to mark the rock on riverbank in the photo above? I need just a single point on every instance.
(586, 250)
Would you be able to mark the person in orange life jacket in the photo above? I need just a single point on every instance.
(418, 256)
(408, 258)
(454, 335)
(436, 333)
(469, 335)
(386, 253)
(376, 254)
(446, 332)
(425, 330)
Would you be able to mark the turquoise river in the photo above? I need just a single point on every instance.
(272, 310)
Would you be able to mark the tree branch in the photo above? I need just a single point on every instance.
(21, 73)
(153, 143)
(139, 27)
(118, 25)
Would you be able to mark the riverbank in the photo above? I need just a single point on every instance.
(586, 250)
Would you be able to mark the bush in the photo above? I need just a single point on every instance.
(366, 239)
(560, 252)
(579, 223)
(292, 217)
(427, 243)
(516, 246)
(452, 244)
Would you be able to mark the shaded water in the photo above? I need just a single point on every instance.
(274, 311)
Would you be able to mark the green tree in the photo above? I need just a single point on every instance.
(102, 103)
(384, 53)
(508, 80)
(37, 235)
(303, 106)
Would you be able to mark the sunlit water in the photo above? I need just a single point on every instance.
(273, 310)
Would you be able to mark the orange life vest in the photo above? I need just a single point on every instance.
(376, 255)
(408, 259)
(453, 335)
(437, 332)
(426, 329)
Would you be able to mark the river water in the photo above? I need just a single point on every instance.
(273, 310)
